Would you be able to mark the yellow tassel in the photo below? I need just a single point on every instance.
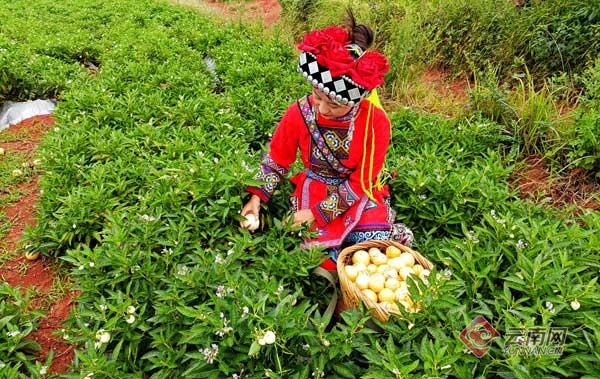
(374, 100)
(368, 125)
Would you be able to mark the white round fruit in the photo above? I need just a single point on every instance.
(361, 256)
(392, 252)
(374, 251)
(418, 268)
(379, 259)
(386, 295)
(405, 272)
(370, 295)
(391, 307)
(395, 263)
(392, 283)
(407, 259)
(372, 268)
(401, 293)
(251, 223)
(377, 282)
(362, 281)
(383, 268)
(360, 267)
(351, 272)
(391, 273)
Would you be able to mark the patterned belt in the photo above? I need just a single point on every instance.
(332, 181)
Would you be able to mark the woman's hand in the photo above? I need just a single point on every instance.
(303, 216)
(251, 207)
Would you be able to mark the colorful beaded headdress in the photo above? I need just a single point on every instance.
(339, 68)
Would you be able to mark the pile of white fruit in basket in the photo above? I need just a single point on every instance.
(382, 277)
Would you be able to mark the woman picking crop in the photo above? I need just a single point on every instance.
(343, 136)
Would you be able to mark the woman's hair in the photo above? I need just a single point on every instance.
(361, 34)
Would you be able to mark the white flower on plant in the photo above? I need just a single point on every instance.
(91, 264)
(103, 307)
(74, 226)
(448, 273)
(130, 319)
(269, 337)
(89, 376)
(279, 290)
(102, 336)
(261, 341)
(220, 290)
(423, 197)
(130, 309)
(216, 160)
(245, 310)
(219, 259)
(13, 333)
(210, 353)
(511, 235)
(148, 218)
(56, 129)
(411, 325)
(81, 267)
(306, 347)
(451, 160)
(520, 244)
(43, 370)
(575, 305)
(182, 270)
(550, 307)
(230, 251)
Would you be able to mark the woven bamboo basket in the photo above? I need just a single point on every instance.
(351, 294)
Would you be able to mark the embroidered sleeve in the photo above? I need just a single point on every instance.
(270, 174)
(343, 196)
(282, 153)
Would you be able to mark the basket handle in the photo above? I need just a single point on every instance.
(331, 278)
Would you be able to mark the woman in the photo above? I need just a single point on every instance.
(343, 137)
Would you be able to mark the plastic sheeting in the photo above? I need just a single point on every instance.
(13, 113)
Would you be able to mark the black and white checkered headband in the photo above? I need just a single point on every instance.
(340, 89)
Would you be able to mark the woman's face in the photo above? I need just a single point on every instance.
(326, 107)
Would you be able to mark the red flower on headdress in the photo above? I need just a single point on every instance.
(370, 69)
(329, 46)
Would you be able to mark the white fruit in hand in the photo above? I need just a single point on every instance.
(377, 282)
(392, 283)
(392, 252)
(351, 272)
(361, 256)
(407, 259)
(251, 223)
(369, 294)
(362, 281)
(418, 268)
(386, 295)
(405, 272)
(379, 259)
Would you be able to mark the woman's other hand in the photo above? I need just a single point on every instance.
(252, 207)
(303, 216)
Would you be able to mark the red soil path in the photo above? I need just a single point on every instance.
(267, 10)
(18, 271)
(534, 181)
(438, 80)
